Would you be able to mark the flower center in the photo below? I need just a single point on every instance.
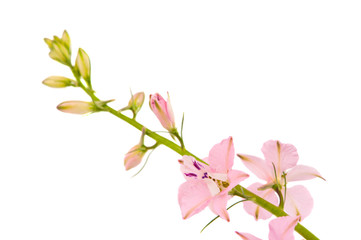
(220, 184)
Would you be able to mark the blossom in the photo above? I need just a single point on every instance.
(279, 168)
(208, 185)
(163, 110)
(280, 228)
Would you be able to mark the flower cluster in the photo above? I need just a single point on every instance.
(210, 181)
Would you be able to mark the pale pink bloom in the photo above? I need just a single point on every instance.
(163, 110)
(134, 156)
(255, 210)
(280, 228)
(76, 107)
(209, 185)
(247, 236)
(280, 159)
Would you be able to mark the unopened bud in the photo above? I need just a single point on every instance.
(136, 153)
(60, 48)
(163, 110)
(82, 63)
(58, 82)
(77, 107)
(134, 156)
(66, 39)
(135, 103)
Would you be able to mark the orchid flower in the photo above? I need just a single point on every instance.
(279, 168)
(208, 185)
(280, 228)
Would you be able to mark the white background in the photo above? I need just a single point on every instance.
(254, 70)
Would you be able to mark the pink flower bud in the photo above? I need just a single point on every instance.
(134, 156)
(163, 110)
(76, 107)
(136, 102)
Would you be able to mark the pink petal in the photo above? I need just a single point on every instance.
(282, 228)
(170, 110)
(218, 205)
(191, 168)
(221, 156)
(298, 201)
(283, 156)
(258, 166)
(193, 197)
(247, 236)
(253, 209)
(301, 172)
(235, 177)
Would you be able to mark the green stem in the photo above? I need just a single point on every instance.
(238, 190)
(278, 212)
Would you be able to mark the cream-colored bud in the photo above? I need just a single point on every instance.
(58, 82)
(77, 107)
(49, 42)
(60, 48)
(66, 39)
(136, 102)
(82, 63)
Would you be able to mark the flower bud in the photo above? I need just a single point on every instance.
(77, 107)
(58, 82)
(134, 156)
(60, 48)
(163, 110)
(82, 63)
(135, 103)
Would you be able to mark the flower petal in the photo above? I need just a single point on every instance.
(253, 209)
(235, 177)
(193, 197)
(218, 205)
(302, 172)
(247, 236)
(258, 166)
(298, 201)
(191, 168)
(282, 228)
(221, 156)
(283, 156)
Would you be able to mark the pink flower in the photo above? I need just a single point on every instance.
(278, 169)
(209, 185)
(163, 110)
(279, 229)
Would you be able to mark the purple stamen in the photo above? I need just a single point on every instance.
(190, 174)
(197, 165)
(205, 175)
